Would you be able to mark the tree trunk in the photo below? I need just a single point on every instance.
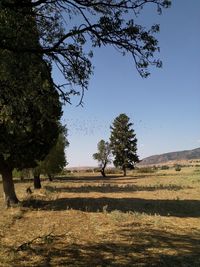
(37, 182)
(103, 172)
(50, 177)
(124, 170)
(103, 169)
(8, 187)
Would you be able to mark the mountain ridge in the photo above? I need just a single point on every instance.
(172, 156)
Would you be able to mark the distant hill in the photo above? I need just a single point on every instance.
(172, 156)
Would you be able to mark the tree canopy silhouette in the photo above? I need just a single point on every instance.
(29, 106)
(70, 29)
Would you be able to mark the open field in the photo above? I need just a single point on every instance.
(145, 219)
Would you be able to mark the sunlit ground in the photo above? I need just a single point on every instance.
(145, 219)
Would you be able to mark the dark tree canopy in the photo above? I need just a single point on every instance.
(123, 143)
(29, 106)
(55, 161)
(67, 28)
(29, 114)
(28, 118)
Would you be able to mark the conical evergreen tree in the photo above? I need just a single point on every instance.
(123, 143)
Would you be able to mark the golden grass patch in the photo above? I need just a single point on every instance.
(84, 220)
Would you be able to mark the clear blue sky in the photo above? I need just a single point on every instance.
(165, 108)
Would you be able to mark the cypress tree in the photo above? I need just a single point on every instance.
(29, 103)
(123, 143)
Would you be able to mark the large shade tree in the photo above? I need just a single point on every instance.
(29, 103)
(123, 143)
(69, 30)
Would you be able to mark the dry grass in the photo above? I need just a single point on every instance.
(150, 219)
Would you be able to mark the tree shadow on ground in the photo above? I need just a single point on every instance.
(178, 208)
(95, 178)
(98, 178)
(109, 188)
(78, 179)
(150, 248)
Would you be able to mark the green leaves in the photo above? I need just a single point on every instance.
(103, 156)
(123, 142)
(29, 103)
(55, 161)
(67, 29)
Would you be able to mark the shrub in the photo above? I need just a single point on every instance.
(96, 170)
(66, 171)
(164, 167)
(89, 170)
(113, 171)
(145, 170)
(177, 168)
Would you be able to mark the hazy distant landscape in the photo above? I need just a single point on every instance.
(173, 157)
(185, 157)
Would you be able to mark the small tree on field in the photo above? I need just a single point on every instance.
(54, 162)
(103, 155)
(123, 143)
(56, 159)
